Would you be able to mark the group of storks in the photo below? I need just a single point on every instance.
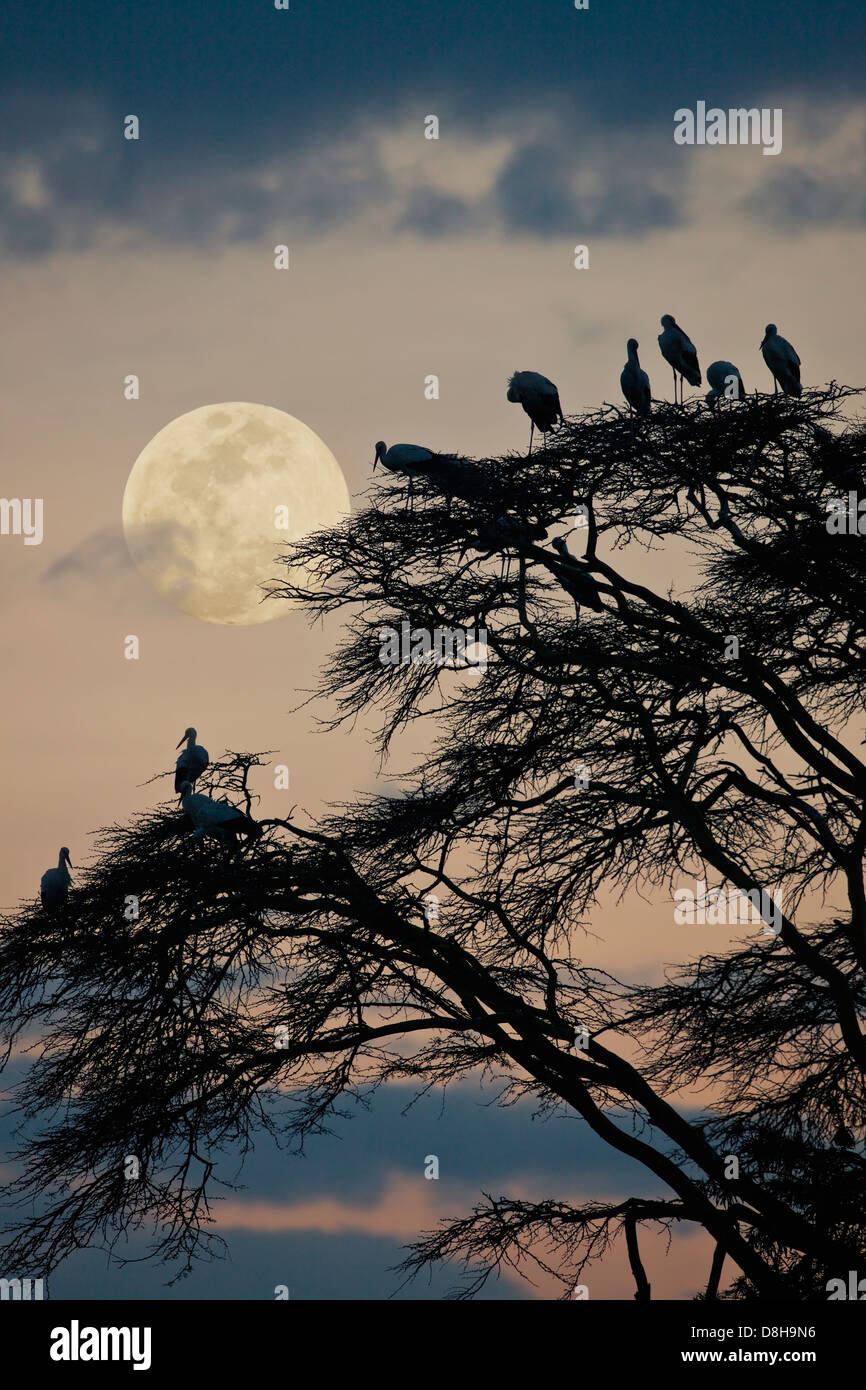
(208, 817)
(540, 399)
(679, 351)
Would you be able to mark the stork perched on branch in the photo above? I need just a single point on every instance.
(192, 761)
(217, 817)
(782, 360)
(575, 579)
(725, 380)
(413, 461)
(634, 381)
(54, 885)
(539, 398)
(679, 350)
(502, 534)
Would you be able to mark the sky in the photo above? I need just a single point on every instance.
(408, 257)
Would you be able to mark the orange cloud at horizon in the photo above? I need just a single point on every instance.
(409, 1206)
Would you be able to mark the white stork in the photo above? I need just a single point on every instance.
(782, 360)
(539, 398)
(216, 817)
(634, 381)
(679, 350)
(722, 376)
(575, 580)
(410, 459)
(192, 761)
(54, 885)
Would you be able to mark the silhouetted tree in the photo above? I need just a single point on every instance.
(259, 988)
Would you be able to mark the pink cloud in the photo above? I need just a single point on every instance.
(407, 1206)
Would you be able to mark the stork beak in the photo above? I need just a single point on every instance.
(375, 461)
(180, 741)
(763, 340)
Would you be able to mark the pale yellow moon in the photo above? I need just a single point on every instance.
(207, 502)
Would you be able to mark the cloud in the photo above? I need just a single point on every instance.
(70, 181)
(103, 555)
(257, 120)
(589, 186)
(823, 181)
(434, 214)
(827, 184)
(539, 167)
(405, 1207)
(800, 199)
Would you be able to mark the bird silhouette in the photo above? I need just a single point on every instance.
(722, 376)
(539, 398)
(634, 381)
(782, 360)
(217, 818)
(679, 350)
(502, 534)
(54, 885)
(575, 579)
(413, 461)
(192, 761)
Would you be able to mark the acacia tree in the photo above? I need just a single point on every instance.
(258, 989)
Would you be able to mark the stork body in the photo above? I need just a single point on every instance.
(413, 461)
(724, 378)
(678, 349)
(216, 817)
(539, 398)
(192, 761)
(575, 580)
(782, 360)
(503, 534)
(54, 885)
(634, 381)
(410, 459)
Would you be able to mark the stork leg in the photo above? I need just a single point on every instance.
(531, 432)
(674, 370)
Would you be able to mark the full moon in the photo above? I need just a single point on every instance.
(215, 496)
